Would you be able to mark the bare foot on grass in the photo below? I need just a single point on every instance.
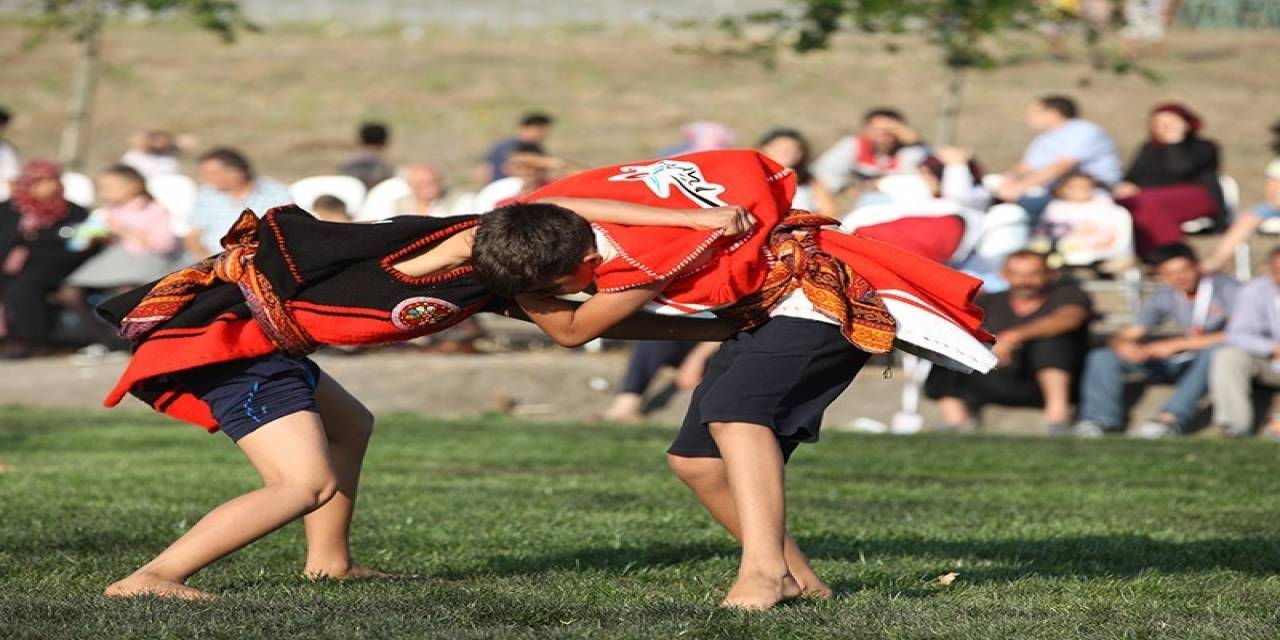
(142, 584)
(351, 572)
(758, 592)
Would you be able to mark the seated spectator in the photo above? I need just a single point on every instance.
(1251, 354)
(1197, 307)
(647, 359)
(368, 164)
(789, 148)
(1083, 223)
(1173, 179)
(429, 193)
(703, 135)
(532, 134)
(885, 145)
(1042, 332)
(1065, 143)
(330, 209)
(1247, 222)
(139, 248)
(228, 187)
(10, 166)
(528, 169)
(153, 153)
(34, 258)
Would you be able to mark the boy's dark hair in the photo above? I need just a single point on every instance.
(1275, 138)
(332, 203)
(1065, 106)
(883, 112)
(522, 146)
(228, 157)
(536, 119)
(1161, 255)
(523, 248)
(374, 134)
(5, 116)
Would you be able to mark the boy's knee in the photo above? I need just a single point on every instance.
(695, 470)
(314, 490)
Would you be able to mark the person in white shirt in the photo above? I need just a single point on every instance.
(10, 165)
(153, 153)
(884, 146)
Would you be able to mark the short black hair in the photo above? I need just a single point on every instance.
(5, 116)
(1275, 138)
(1073, 176)
(327, 201)
(228, 157)
(523, 248)
(536, 119)
(522, 146)
(1064, 105)
(374, 134)
(1163, 254)
(883, 112)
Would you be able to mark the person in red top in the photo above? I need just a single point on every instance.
(223, 344)
(808, 320)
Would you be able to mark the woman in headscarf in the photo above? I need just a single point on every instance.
(1173, 179)
(35, 224)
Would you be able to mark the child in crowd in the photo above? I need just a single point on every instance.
(1084, 224)
(223, 344)
(812, 304)
(1248, 221)
(140, 247)
(330, 209)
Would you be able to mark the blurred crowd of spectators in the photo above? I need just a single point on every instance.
(1069, 210)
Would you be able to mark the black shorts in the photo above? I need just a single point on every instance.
(782, 375)
(246, 394)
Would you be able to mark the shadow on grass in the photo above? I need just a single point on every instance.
(1118, 555)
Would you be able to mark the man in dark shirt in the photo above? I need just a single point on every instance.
(1042, 334)
(533, 130)
(369, 163)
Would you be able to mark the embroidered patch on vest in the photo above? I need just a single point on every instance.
(415, 313)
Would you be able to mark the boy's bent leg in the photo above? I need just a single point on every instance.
(292, 456)
(707, 478)
(348, 426)
(754, 467)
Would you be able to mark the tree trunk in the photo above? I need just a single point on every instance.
(950, 116)
(75, 138)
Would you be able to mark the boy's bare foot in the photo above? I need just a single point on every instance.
(757, 592)
(811, 586)
(350, 572)
(141, 584)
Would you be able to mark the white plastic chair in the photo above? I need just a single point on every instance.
(176, 193)
(381, 199)
(345, 188)
(78, 188)
(497, 191)
(904, 187)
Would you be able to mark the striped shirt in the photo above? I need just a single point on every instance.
(214, 211)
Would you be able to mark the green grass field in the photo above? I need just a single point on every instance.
(560, 531)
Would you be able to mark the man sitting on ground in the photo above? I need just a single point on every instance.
(1042, 331)
(1197, 305)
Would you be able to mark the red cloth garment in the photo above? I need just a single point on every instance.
(40, 213)
(1158, 213)
(933, 304)
(935, 238)
(286, 283)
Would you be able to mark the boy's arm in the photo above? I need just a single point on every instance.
(651, 326)
(733, 220)
(573, 326)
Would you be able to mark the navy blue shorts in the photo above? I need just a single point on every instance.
(246, 394)
(782, 375)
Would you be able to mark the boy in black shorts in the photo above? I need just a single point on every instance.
(808, 322)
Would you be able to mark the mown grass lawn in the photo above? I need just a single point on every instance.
(531, 530)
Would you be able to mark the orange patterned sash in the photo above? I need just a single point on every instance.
(235, 264)
(835, 289)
